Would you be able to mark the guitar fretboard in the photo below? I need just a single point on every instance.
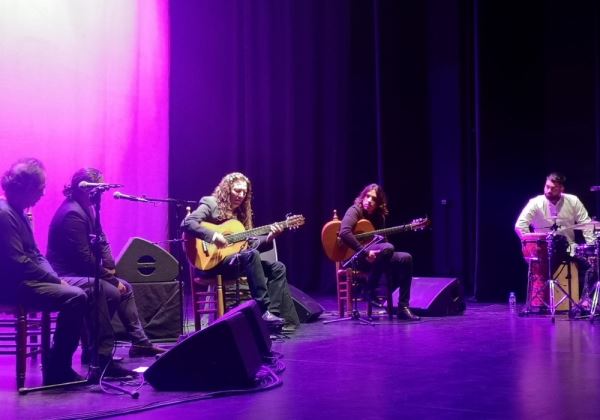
(262, 230)
(384, 231)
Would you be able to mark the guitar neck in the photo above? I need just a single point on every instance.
(386, 231)
(243, 236)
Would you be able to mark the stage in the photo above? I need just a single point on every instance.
(487, 363)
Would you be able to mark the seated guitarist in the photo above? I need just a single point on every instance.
(371, 204)
(232, 199)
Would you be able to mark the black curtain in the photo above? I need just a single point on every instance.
(269, 89)
(459, 108)
(538, 78)
(286, 92)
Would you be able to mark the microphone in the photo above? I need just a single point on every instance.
(84, 185)
(595, 188)
(120, 196)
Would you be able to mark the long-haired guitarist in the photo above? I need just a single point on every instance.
(380, 258)
(232, 200)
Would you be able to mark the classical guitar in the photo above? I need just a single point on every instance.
(337, 251)
(205, 255)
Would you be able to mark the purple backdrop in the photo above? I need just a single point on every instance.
(86, 84)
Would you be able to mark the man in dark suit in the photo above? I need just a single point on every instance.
(27, 276)
(71, 253)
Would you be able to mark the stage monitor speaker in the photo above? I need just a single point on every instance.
(142, 261)
(260, 330)
(308, 309)
(159, 307)
(225, 355)
(435, 296)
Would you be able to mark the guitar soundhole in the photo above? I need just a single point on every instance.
(146, 265)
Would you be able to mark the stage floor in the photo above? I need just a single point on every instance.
(487, 363)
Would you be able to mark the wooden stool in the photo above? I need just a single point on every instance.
(36, 329)
(344, 291)
(210, 296)
(347, 280)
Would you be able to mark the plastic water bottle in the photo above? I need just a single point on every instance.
(512, 302)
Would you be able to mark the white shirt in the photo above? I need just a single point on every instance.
(568, 210)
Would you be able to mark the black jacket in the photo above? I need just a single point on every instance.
(20, 258)
(208, 211)
(69, 244)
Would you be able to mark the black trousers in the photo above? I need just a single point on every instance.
(126, 310)
(267, 282)
(396, 266)
(75, 304)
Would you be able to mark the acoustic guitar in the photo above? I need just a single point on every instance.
(337, 251)
(206, 255)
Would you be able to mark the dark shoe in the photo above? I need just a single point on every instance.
(145, 350)
(110, 368)
(86, 357)
(289, 328)
(270, 318)
(406, 315)
(61, 376)
(115, 370)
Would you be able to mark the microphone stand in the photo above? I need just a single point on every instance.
(351, 266)
(177, 250)
(596, 287)
(179, 254)
(353, 260)
(552, 282)
(178, 203)
(97, 241)
(596, 264)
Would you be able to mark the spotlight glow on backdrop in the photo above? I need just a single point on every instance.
(85, 83)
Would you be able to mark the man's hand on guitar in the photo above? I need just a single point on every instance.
(229, 238)
(372, 256)
(219, 240)
(276, 230)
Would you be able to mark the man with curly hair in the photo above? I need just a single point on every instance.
(232, 199)
(381, 258)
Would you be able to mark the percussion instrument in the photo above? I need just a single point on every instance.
(595, 292)
(537, 254)
(586, 251)
(534, 246)
(592, 224)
